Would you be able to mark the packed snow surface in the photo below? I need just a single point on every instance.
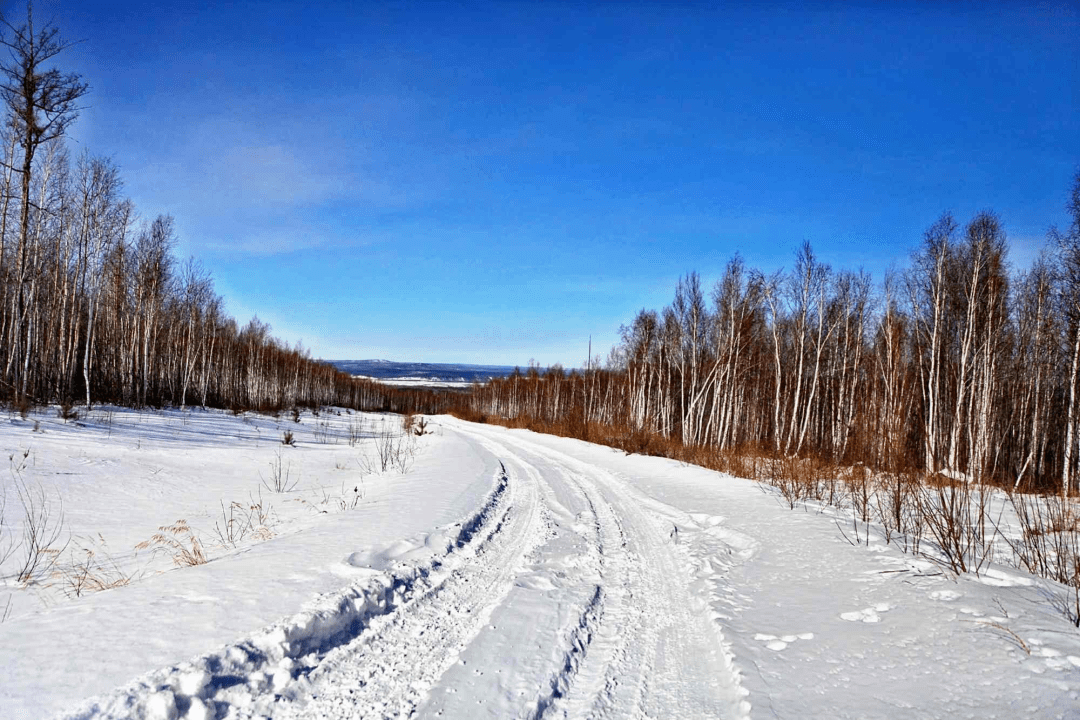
(489, 573)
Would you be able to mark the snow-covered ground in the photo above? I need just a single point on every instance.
(421, 375)
(417, 382)
(502, 574)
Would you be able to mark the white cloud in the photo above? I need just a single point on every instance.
(271, 176)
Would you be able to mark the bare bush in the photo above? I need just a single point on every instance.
(394, 450)
(357, 429)
(1049, 544)
(42, 530)
(860, 492)
(67, 411)
(288, 439)
(179, 542)
(280, 479)
(799, 480)
(898, 510)
(323, 431)
(8, 546)
(957, 519)
(92, 569)
(782, 477)
(233, 525)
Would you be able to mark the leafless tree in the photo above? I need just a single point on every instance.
(41, 104)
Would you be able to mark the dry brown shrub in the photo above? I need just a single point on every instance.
(956, 517)
(797, 479)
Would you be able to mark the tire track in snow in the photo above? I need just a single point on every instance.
(594, 662)
(246, 678)
(610, 680)
(634, 663)
(603, 599)
(388, 669)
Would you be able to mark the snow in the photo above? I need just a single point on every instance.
(433, 375)
(122, 474)
(504, 574)
(417, 382)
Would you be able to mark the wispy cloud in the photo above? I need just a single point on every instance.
(260, 176)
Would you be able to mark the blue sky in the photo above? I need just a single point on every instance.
(496, 182)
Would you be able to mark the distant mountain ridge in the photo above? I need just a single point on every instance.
(390, 370)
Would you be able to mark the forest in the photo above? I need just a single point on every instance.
(958, 366)
(95, 306)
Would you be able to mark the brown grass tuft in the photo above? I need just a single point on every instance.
(179, 542)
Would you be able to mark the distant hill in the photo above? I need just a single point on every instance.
(406, 374)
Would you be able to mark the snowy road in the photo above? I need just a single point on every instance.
(518, 575)
(567, 599)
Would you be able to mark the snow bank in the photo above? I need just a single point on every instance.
(122, 474)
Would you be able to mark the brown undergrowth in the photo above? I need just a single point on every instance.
(954, 522)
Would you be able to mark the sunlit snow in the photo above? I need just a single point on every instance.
(488, 573)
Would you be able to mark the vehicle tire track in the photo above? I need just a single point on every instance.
(633, 664)
(389, 668)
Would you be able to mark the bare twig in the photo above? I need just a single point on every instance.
(281, 480)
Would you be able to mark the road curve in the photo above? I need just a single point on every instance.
(570, 596)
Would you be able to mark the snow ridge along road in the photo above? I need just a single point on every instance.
(576, 582)
(255, 671)
(566, 594)
(570, 603)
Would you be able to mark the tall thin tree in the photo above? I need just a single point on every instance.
(41, 104)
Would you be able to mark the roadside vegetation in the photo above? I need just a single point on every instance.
(913, 404)
(940, 406)
(52, 546)
(957, 367)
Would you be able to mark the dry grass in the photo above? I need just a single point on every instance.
(179, 542)
(92, 569)
(239, 521)
(347, 499)
(1008, 633)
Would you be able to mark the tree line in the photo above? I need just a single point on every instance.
(94, 304)
(957, 366)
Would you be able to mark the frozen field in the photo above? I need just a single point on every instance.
(473, 572)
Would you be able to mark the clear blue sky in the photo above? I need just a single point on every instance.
(494, 182)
